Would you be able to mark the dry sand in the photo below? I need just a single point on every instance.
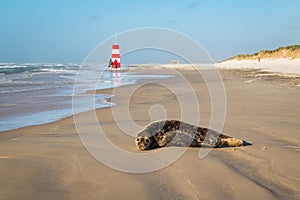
(49, 161)
(279, 65)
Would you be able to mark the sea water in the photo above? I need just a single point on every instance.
(34, 93)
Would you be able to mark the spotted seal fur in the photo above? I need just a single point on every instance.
(177, 133)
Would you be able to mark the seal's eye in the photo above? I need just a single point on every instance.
(138, 139)
(147, 140)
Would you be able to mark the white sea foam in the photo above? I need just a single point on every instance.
(54, 70)
(12, 66)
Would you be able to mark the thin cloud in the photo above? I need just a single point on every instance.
(193, 4)
(93, 17)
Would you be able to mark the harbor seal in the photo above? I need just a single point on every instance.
(177, 133)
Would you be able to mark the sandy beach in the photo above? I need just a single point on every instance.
(50, 162)
(277, 65)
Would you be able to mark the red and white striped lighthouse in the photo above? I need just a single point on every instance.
(115, 63)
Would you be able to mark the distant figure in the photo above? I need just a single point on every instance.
(258, 59)
(110, 63)
(174, 61)
(115, 64)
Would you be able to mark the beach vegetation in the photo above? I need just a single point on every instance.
(292, 51)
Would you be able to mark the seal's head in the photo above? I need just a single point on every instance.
(143, 142)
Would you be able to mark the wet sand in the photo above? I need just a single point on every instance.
(50, 162)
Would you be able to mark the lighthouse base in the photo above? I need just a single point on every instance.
(115, 69)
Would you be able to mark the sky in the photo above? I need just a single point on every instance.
(66, 31)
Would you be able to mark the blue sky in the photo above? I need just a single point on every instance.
(67, 30)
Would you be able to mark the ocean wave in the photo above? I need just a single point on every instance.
(40, 64)
(11, 66)
(8, 86)
(58, 70)
(7, 69)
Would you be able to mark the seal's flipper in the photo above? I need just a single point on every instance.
(231, 142)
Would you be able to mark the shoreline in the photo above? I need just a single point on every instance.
(50, 161)
(254, 74)
(19, 118)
